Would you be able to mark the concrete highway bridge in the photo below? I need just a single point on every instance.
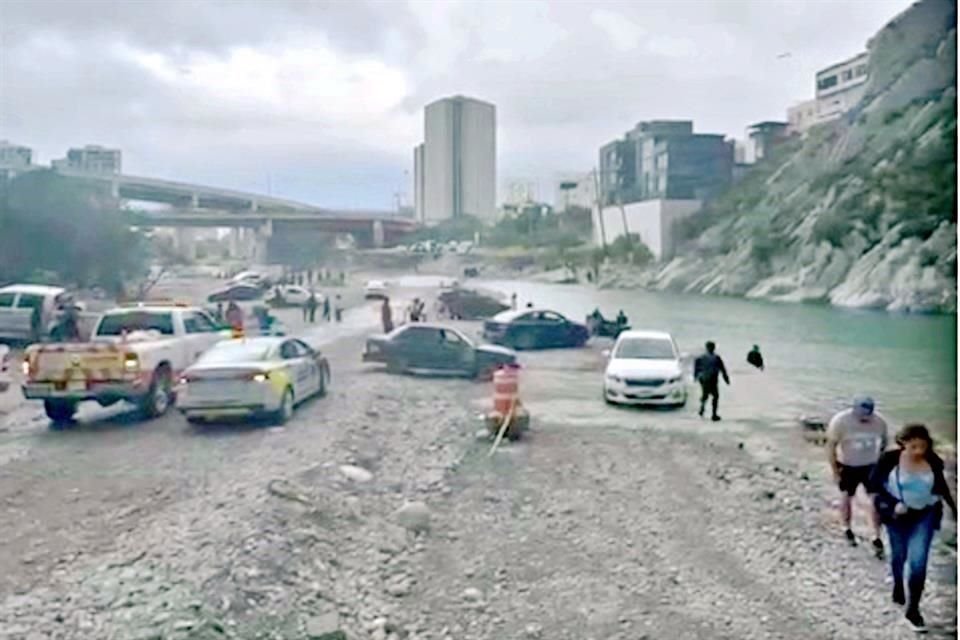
(254, 217)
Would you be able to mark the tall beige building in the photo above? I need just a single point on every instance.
(455, 169)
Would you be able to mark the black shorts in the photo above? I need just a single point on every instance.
(710, 388)
(852, 477)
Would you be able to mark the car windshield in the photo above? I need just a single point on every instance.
(645, 349)
(119, 323)
(228, 352)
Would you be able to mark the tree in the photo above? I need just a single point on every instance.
(50, 222)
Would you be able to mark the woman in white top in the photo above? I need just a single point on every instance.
(909, 490)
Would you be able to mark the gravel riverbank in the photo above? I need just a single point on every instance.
(377, 512)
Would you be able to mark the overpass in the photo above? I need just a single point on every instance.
(192, 205)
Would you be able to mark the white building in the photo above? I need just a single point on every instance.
(91, 159)
(802, 116)
(15, 156)
(575, 190)
(458, 164)
(652, 220)
(840, 87)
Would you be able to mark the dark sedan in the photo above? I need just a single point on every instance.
(534, 329)
(435, 349)
(236, 292)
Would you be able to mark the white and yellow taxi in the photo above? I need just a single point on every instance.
(252, 377)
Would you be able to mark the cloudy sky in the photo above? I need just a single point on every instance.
(322, 101)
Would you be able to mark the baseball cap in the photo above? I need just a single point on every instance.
(863, 406)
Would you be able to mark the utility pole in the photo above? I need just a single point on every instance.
(596, 195)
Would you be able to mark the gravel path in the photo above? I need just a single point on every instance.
(599, 525)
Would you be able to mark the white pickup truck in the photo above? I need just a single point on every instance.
(135, 354)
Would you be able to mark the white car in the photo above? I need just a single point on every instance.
(645, 367)
(249, 277)
(375, 289)
(294, 295)
(252, 377)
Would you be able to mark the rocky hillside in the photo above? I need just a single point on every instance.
(860, 212)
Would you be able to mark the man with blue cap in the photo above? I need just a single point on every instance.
(856, 438)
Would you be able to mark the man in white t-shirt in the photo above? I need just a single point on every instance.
(856, 438)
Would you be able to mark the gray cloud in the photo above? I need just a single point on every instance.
(329, 94)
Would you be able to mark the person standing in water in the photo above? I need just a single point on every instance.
(338, 309)
(326, 308)
(909, 490)
(856, 437)
(707, 370)
(755, 358)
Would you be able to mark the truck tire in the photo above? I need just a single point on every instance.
(160, 396)
(60, 411)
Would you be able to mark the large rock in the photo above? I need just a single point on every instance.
(413, 516)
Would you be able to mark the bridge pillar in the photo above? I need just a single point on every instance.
(254, 205)
(195, 200)
(378, 234)
(185, 242)
(261, 242)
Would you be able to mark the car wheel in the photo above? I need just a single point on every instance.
(158, 398)
(324, 380)
(60, 411)
(285, 412)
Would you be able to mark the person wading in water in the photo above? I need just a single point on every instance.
(707, 370)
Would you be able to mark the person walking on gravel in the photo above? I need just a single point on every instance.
(856, 437)
(707, 370)
(909, 490)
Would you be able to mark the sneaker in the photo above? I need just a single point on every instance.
(878, 549)
(915, 620)
(852, 539)
(898, 596)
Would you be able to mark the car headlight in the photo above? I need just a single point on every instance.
(616, 379)
(675, 380)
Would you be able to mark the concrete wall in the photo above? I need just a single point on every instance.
(652, 220)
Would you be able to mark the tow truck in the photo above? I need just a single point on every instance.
(135, 354)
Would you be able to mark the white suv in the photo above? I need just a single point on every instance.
(644, 367)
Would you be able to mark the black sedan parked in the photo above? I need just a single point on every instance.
(237, 292)
(534, 329)
(435, 349)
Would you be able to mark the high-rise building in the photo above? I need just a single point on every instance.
(458, 163)
(91, 159)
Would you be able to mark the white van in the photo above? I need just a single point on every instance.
(17, 302)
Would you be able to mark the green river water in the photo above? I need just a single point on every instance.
(818, 356)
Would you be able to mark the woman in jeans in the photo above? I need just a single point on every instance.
(909, 490)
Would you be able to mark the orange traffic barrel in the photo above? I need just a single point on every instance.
(505, 388)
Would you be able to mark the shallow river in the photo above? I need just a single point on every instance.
(817, 357)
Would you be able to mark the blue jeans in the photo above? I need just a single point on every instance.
(910, 539)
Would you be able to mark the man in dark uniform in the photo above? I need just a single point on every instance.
(707, 370)
(755, 357)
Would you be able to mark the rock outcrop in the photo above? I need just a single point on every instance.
(860, 212)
